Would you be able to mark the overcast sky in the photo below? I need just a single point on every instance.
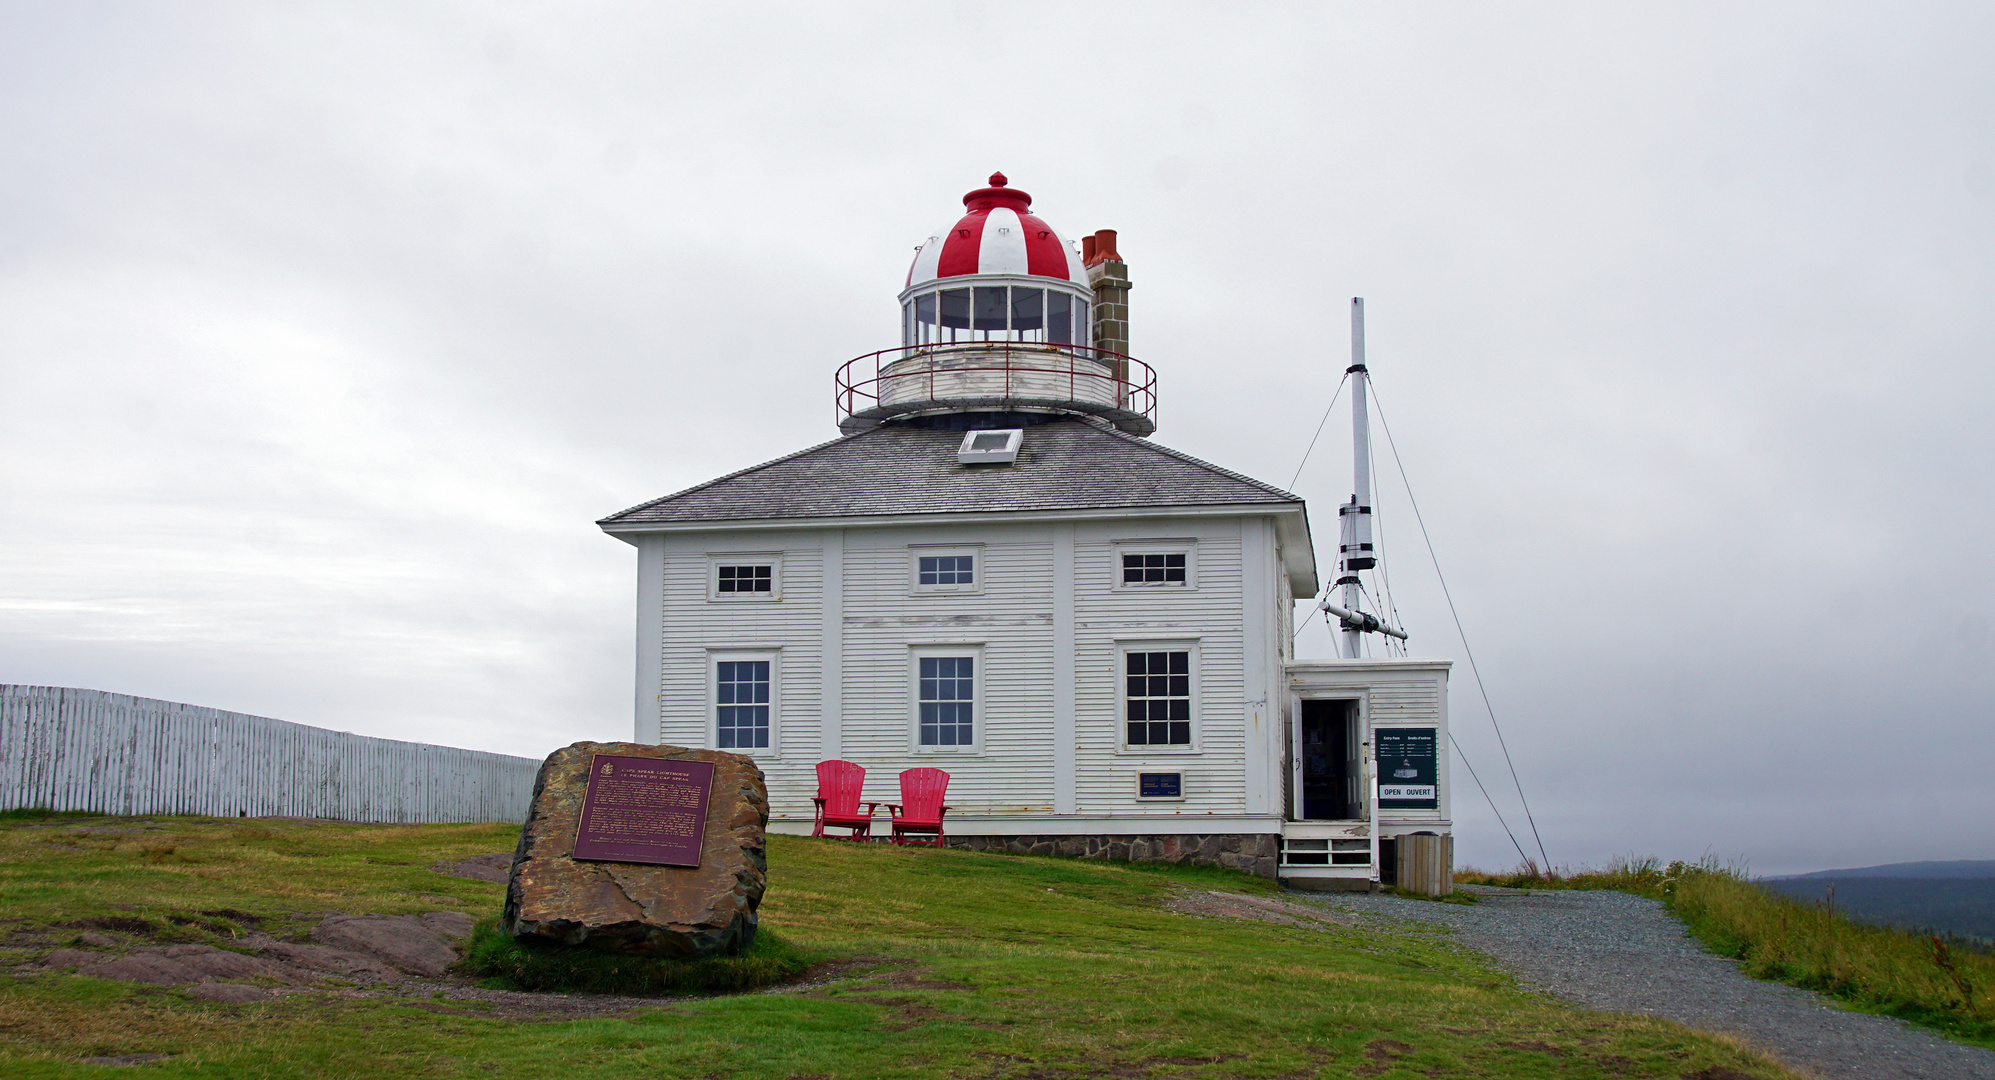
(326, 332)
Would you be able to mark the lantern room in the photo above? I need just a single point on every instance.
(1001, 324)
(965, 284)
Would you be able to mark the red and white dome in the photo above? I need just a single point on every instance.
(998, 236)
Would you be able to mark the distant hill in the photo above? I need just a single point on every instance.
(1963, 868)
(1959, 905)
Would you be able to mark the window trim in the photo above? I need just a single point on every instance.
(716, 657)
(716, 560)
(1125, 646)
(979, 717)
(915, 553)
(1187, 548)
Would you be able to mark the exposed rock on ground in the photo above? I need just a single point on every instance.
(497, 869)
(144, 967)
(666, 911)
(362, 949)
(406, 942)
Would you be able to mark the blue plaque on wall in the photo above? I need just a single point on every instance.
(1160, 785)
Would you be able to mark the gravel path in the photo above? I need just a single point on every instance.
(1622, 953)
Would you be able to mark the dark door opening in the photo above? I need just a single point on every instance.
(1329, 760)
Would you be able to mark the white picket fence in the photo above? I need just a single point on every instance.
(69, 749)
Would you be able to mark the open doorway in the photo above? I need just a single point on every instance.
(1330, 761)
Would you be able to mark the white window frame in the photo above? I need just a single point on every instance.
(1187, 548)
(916, 552)
(979, 717)
(774, 560)
(715, 658)
(1125, 646)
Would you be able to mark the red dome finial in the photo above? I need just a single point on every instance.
(998, 195)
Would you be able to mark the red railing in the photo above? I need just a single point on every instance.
(1129, 385)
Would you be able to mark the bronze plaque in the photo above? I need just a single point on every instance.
(644, 810)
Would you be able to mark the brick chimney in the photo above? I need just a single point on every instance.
(1109, 276)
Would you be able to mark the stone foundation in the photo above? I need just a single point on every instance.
(1252, 853)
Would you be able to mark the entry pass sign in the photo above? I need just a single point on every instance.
(644, 810)
(1408, 777)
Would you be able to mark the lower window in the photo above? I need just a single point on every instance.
(1158, 697)
(741, 704)
(947, 700)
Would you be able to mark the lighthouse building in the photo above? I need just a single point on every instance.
(993, 570)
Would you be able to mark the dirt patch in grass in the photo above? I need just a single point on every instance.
(1269, 909)
(121, 923)
(916, 979)
(459, 999)
(1536, 1047)
(496, 868)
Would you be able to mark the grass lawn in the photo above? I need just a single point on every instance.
(955, 964)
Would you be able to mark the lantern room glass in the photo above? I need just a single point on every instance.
(994, 313)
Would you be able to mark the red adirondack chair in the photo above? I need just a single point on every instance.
(839, 785)
(919, 813)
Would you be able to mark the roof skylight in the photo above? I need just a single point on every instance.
(998, 447)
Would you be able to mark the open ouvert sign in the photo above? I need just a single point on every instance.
(1407, 769)
(644, 810)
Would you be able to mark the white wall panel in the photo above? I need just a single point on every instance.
(1012, 621)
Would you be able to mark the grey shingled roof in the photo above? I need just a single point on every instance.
(1064, 465)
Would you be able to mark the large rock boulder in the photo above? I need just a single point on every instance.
(669, 911)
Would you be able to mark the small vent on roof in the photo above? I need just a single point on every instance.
(990, 447)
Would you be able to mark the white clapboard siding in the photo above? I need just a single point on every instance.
(1406, 703)
(67, 749)
(695, 626)
(1010, 619)
(1213, 613)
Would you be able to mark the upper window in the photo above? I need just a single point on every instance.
(945, 570)
(1157, 693)
(1161, 568)
(744, 577)
(760, 578)
(742, 704)
(1156, 564)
